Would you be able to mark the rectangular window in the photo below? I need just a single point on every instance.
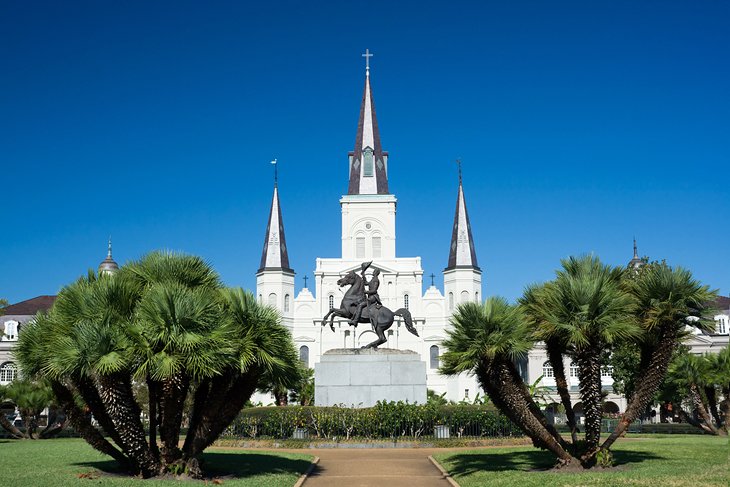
(367, 169)
(721, 326)
(360, 247)
(376, 247)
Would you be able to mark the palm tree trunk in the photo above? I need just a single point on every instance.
(86, 387)
(534, 408)
(83, 426)
(711, 395)
(652, 370)
(699, 404)
(589, 374)
(556, 362)
(116, 393)
(30, 420)
(15, 432)
(174, 392)
(499, 383)
(152, 388)
(225, 400)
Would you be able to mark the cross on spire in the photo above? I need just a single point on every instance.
(367, 57)
(109, 253)
(432, 276)
(305, 281)
(276, 172)
(458, 163)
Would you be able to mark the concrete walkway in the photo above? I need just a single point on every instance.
(375, 467)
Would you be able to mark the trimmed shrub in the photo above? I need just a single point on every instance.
(386, 420)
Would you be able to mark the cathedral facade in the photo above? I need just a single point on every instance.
(369, 234)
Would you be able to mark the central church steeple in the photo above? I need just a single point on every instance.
(368, 161)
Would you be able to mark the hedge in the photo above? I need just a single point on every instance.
(386, 420)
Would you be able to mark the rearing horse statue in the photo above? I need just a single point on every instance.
(379, 316)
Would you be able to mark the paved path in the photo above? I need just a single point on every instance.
(375, 467)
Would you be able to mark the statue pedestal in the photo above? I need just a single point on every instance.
(362, 377)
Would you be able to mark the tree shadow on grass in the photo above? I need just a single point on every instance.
(226, 465)
(525, 461)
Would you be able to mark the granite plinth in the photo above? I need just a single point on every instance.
(362, 377)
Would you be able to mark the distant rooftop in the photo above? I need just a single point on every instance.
(30, 306)
(722, 303)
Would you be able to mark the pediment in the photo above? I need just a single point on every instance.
(434, 338)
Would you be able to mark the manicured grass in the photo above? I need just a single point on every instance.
(666, 460)
(50, 463)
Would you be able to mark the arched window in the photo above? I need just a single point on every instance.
(367, 169)
(261, 299)
(464, 296)
(573, 370)
(607, 371)
(286, 302)
(304, 355)
(331, 300)
(476, 296)
(406, 301)
(359, 247)
(547, 370)
(11, 331)
(8, 372)
(376, 246)
(451, 300)
(272, 299)
(434, 356)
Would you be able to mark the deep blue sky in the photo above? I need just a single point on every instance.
(580, 124)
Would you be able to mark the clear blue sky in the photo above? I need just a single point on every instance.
(580, 124)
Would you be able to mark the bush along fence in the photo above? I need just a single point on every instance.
(391, 421)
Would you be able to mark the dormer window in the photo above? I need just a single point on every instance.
(368, 169)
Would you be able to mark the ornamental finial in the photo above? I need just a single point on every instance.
(367, 57)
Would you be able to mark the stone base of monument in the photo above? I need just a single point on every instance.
(362, 377)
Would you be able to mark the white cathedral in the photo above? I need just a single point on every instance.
(369, 233)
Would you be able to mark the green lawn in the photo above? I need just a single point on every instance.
(656, 460)
(50, 463)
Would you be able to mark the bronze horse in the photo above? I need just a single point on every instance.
(382, 318)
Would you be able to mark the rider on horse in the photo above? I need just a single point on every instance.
(370, 296)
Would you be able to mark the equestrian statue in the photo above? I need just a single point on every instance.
(361, 304)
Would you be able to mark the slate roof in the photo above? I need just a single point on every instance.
(275, 255)
(462, 253)
(368, 135)
(30, 306)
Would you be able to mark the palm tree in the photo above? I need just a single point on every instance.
(585, 311)
(165, 321)
(486, 340)
(535, 308)
(721, 376)
(693, 372)
(668, 300)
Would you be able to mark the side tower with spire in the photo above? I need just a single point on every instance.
(275, 278)
(462, 275)
(368, 209)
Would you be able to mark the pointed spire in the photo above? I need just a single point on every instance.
(275, 255)
(108, 265)
(461, 252)
(368, 162)
(636, 261)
